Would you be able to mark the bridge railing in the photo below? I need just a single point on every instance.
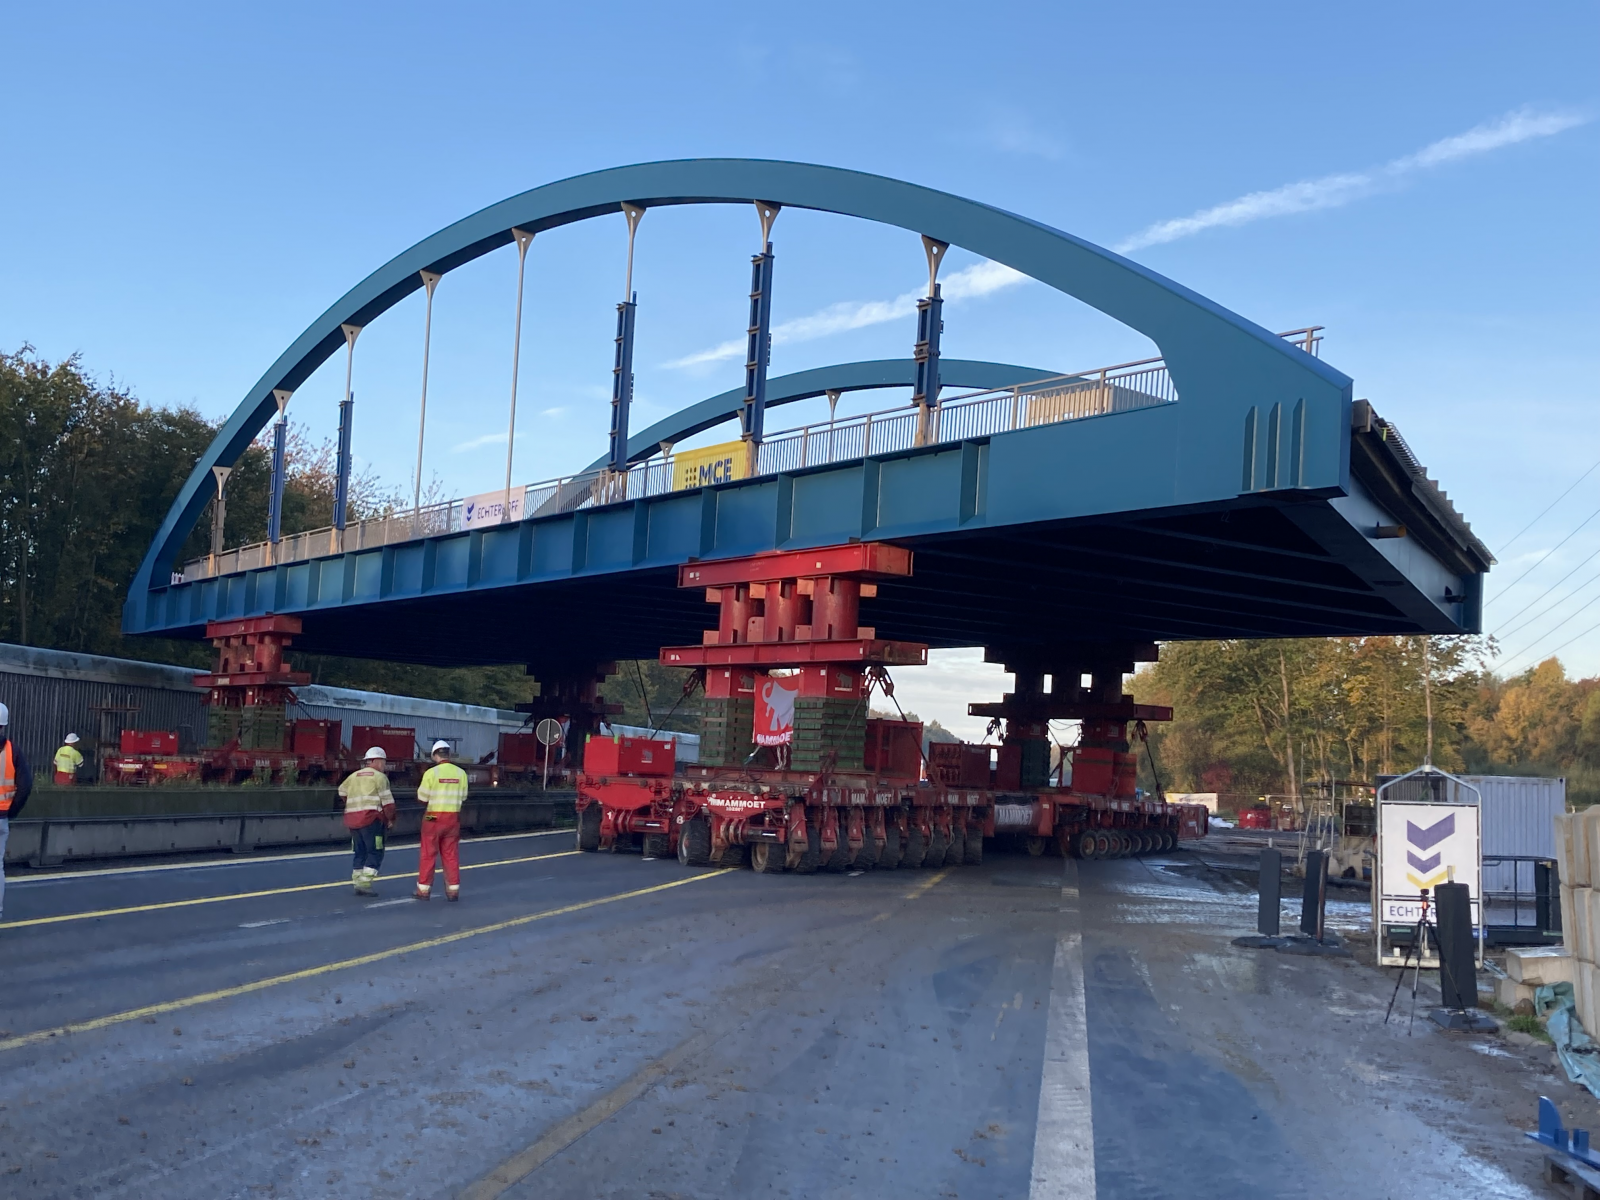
(1121, 388)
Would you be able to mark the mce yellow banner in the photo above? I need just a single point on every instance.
(709, 465)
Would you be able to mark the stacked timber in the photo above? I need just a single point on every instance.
(726, 730)
(1577, 850)
(825, 725)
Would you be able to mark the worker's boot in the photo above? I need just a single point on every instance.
(452, 891)
(371, 874)
(424, 890)
(359, 878)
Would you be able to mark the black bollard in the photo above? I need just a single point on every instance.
(1458, 971)
(1271, 893)
(1315, 898)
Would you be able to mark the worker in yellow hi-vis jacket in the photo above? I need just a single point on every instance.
(68, 759)
(368, 812)
(443, 788)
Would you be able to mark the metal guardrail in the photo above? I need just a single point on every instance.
(1124, 387)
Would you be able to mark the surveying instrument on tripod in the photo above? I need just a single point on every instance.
(1419, 932)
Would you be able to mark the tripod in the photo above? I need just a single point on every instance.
(1419, 933)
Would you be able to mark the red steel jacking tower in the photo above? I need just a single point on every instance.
(1084, 684)
(249, 697)
(572, 693)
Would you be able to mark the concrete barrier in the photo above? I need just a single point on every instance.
(51, 841)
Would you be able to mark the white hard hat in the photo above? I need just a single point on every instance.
(5, 715)
(71, 738)
(374, 752)
(440, 745)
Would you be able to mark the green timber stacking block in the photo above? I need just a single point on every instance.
(222, 725)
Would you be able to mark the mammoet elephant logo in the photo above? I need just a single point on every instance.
(1426, 870)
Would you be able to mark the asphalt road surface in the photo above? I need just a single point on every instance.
(586, 1025)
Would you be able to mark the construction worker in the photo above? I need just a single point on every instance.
(368, 812)
(68, 760)
(16, 781)
(442, 789)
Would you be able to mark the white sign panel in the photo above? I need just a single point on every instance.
(1422, 846)
(491, 508)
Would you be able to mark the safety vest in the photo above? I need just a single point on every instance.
(443, 788)
(68, 760)
(366, 791)
(8, 779)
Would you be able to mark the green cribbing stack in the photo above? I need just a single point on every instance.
(1035, 766)
(824, 727)
(263, 727)
(726, 726)
(222, 724)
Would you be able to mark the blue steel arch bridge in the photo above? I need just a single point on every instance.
(1232, 487)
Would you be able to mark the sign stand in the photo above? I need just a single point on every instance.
(1428, 834)
(548, 731)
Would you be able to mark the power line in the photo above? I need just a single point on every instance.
(1545, 555)
(1579, 566)
(1551, 505)
(1551, 630)
(1575, 637)
(1547, 611)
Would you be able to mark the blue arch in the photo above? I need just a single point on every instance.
(1213, 354)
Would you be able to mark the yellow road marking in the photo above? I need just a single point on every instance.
(519, 1166)
(303, 887)
(244, 989)
(916, 892)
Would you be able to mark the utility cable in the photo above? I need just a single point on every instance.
(1550, 608)
(1575, 637)
(1545, 555)
(1548, 507)
(1513, 658)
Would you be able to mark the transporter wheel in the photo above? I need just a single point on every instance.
(1102, 844)
(766, 858)
(653, 845)
(1172, 841)
(589, 829)
(1036, 847)
(1124, 846)
(1152, 842)
(889, 857)
(938, 847)
(916, 848)
(870, 853)
(839, 861)
(694, 842)
(956, 854)
(735, 856)
(1084, 845)
(974, 854)
(811, 855)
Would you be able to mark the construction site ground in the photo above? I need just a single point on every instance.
(587, 1025)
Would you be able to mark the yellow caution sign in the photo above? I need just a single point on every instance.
(709, 465)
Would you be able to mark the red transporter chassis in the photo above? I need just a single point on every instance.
(775, 821)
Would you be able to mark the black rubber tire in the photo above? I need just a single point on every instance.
(871, 850)
(916, 852)
(1172, 841)
(956, 853)
(766, 858)
(974, 855)
(889, 857)
(811, 856)
(1036, 847)
(938, 847)
(694, 842)
(589, 829)
(839, 861)
(1152, 842)
(1084, 845)
(735, 856)
(653, 845)
(1102, 844)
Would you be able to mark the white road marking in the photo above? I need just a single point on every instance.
(1063, 1144)
(392, 903)
(264, 924)
(251, 860)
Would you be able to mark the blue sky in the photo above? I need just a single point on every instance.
(191, 186)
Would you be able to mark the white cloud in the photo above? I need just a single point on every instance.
(1334, 191)
(980, 279)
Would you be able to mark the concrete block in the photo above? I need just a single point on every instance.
(1586, 845)
(1582, 945)
(1580, 995)
(1540, 964)
(1509, 991)
(1571, 852)
(1569, 918)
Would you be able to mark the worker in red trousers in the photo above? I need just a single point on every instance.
(443, 788)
